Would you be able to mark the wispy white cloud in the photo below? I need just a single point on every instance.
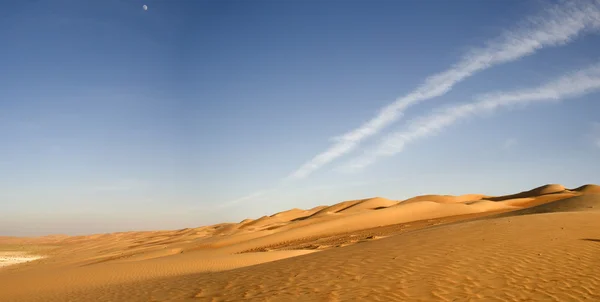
(56, 148)
(248, 197)
(509, 143)
(557, 25)
(352, 184)
(596, 134)
(122, 185)
(272, 192)
(571, 85)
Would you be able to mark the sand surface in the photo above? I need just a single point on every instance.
(542, 244)
(9, 258)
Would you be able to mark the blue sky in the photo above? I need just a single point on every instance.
(197, 112)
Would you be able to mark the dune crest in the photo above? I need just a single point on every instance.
(543, 190)
(374, 203)
(411, 232)
(588, 189)
(445, 198)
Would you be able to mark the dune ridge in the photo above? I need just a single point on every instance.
(130, 265)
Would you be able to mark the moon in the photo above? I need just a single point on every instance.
(145, 7)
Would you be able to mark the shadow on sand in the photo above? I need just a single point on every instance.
(592, 240)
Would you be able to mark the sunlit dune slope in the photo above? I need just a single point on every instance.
(454, 245)
(582, 203)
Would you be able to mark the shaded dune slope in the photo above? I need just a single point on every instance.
(587, 189)
(582, 203)
(543, 190)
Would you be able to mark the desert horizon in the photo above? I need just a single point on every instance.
(227, 150)
(534, 244)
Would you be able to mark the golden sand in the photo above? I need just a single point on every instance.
(542, 244)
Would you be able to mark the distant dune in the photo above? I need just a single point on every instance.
(445, 198)
(542, 244)
(588, 189)
(543, 190)
(581, 203)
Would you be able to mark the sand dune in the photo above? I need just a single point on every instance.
(337, 207)
(485, 260)
(582, 203)
(445, 198)
(588, 189)
(539, 244)
(369, 204)
(543, 190)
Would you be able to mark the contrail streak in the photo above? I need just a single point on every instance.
(572, 85)
(557, 25)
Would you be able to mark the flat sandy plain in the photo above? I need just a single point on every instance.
(540, 245)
